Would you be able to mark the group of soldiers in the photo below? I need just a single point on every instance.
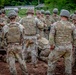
(44, 36)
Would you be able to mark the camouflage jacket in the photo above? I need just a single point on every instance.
(62, 32)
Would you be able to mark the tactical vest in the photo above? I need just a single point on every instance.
(13, 35)
(30, 26)
(63, 34)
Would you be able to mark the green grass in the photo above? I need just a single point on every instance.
(22, 12)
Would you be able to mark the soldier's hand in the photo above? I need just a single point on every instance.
(52, 47)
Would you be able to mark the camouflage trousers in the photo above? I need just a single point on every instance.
(30, 45)
(74, 56)
(14, 52)
(60, 51)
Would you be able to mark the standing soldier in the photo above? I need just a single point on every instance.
(13, 33)
(55, 15)
(4, 17)
(30, 38)
(43, 20)
(18, 18)
(62, 36)
(39, 23)
(74, 51)
(1, 26)
(42, 13)
(49, 20)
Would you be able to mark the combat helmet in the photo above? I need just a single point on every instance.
(65, 13)
(38, 12)
(47, 12)
(42, 11)
(30, 11)
(55, 10)
(11, 14)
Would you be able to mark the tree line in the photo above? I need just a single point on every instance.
(19, 2)
(60, 4)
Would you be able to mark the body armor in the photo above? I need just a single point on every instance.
(30, 26)
(63, 34)
(13, 34)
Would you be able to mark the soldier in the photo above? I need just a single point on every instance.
(74, 52)
(30, 38)
(42, 13)
(4, 17)
(39, 23)
(43, 48)
(55, 15)
(62, 36)
(71, 17)
(43, 20)
(49, 20)
(74, 19)
(18, 18)
(2, 23)
(13, 33)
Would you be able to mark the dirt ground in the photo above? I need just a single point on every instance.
(41, 69)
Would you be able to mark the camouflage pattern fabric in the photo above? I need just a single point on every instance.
(30, 45)
(40, 26)
(14, 52)
(44, 48)
(30, 34)
(14, 46)
(62, 36)
(49, 20)
(56, 18)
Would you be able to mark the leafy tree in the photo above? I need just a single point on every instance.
(61, 4)
(2, 3)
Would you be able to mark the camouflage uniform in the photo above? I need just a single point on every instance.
(18, 18)
(4, 17)
(30, 38)
(42, 18)
(49, 20)
(55, 16)
(39, 23)
(62, 36)
(2, 23)
(13, 33)
(44, 48)
(74, 51)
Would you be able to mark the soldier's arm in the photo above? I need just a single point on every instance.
(74, 36)
(39, 24)
(21, 28)
(4, 35)
(21, 21)
(51, 36)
